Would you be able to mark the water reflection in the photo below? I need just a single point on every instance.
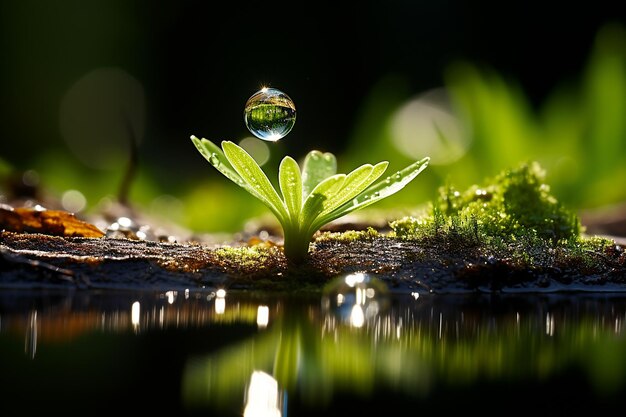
(249, 352)
(355, 298)
(262, 316)
(263, 398)
(30, 343)
(134, 314)
(220, 301)
(62, 317)
(420, 343)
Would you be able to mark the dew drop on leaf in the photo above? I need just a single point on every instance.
(214, 159)
(270, 114)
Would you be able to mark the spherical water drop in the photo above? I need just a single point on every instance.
(355, 299)
(270, 114)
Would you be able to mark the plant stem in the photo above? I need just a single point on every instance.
(296, 244)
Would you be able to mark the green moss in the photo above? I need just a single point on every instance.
(515, 205)
(348, 236)
(246, 257)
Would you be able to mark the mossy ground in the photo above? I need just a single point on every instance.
(512, 216)
(509, 233)
(516, 205)
(511, 229)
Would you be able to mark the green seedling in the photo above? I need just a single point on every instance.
(312, 196)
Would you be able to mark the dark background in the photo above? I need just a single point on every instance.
(199, 61)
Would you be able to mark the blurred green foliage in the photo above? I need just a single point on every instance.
(578, 134)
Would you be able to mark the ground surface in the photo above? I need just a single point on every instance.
(40, 260)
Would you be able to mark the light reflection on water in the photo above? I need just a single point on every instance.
(316, 348)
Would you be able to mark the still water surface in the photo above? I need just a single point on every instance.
(352, 351)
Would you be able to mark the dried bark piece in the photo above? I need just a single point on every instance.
(50, 222)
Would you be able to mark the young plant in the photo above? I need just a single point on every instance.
(312, 196)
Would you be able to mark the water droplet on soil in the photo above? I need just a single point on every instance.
(356, 298)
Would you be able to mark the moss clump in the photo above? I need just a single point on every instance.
(348, 236)
(511, 226)
(249, 258)
(516, 205)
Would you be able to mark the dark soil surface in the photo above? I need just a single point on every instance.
(32, 260)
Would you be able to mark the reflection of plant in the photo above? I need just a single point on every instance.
(316, 359)
(312, 196)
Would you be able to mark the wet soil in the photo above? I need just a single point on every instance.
(33, 260)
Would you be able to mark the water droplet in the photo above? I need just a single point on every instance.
(356, 298)
(397, 176)
(214, 159)
(376, 194)
(270, 114)
(125, 227)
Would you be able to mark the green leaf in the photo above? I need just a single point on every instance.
(216, 157)
(291, 186)
(382, 189)
(314, 203)
(251, 173)
(393, 183)
(356, 181)
(316, 168)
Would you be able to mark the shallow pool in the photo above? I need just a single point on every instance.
(351, 351)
